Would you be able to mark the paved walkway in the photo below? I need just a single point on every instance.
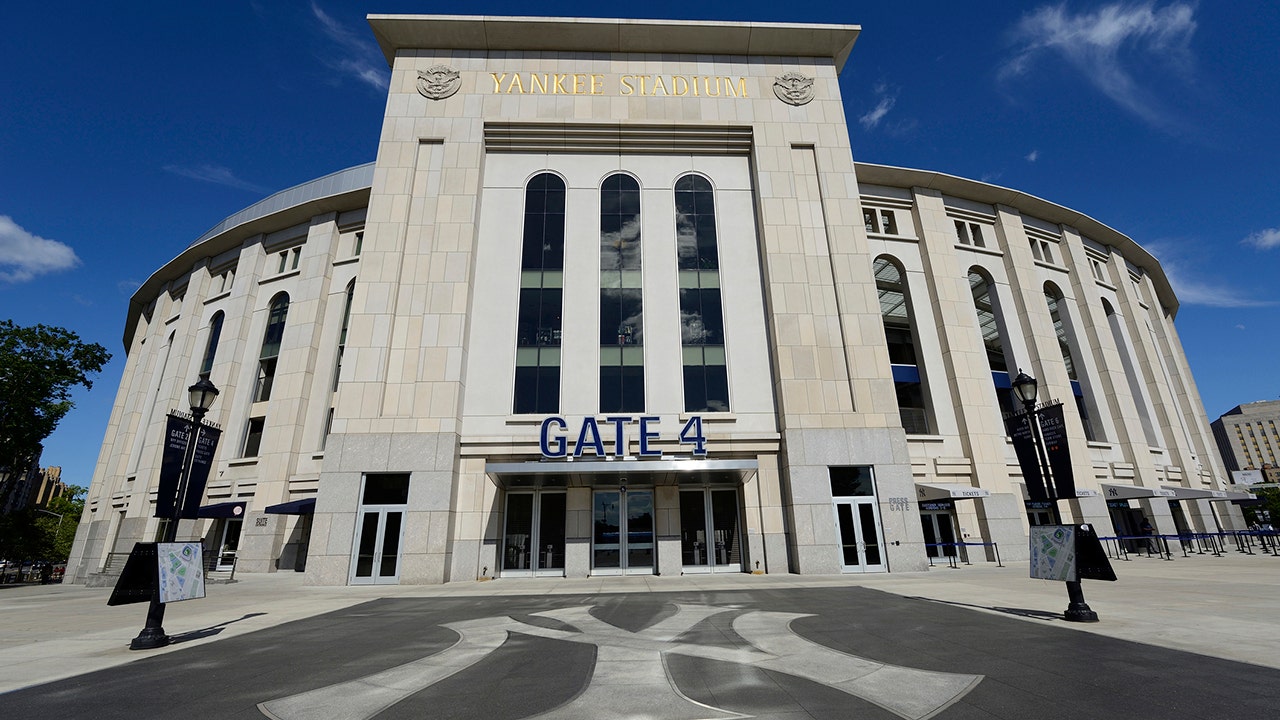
(1226, 607)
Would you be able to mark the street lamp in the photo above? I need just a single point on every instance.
(201, 396)
(58, 515)
(1026, 388)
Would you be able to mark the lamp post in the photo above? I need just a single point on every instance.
(201, 396)
(1026, 389)
(58, 515)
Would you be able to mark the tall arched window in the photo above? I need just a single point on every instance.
(270, 353)
(706, 378)
(621, 302)
(337, 363)
(1131, 372)
(989, 325)
(211, 345)
(1066, 342)
(537, 385)
(895, 310)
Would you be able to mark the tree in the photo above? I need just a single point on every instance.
(38, 368)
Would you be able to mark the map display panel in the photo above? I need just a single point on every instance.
(181, 567)
(1053, 552)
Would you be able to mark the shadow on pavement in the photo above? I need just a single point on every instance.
(207, 632)
(1020, 612)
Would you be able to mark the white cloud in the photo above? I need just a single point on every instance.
(1264, 239)
(24, 256)
(128, 287)
(357, 57)
(1193, 289)
(873, 118)
(1108, 46)
(1239, 326)
(886, 102)
(1033, 156)
(215, 174)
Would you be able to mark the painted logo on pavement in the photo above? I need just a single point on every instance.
(630, 665)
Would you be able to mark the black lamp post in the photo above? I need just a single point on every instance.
(201, 397)
(1026, 388)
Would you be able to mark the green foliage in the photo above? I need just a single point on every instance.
(1268, 511)
(39, 366)
(43, 533)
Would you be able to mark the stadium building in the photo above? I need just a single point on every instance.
(614, 298)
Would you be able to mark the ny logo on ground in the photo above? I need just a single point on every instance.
(631, 679)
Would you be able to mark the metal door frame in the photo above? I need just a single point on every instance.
(535, 534)
(708, 527)
(853, 502)
(624, 533)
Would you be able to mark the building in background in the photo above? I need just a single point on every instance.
(615, 299)
(1248, 439)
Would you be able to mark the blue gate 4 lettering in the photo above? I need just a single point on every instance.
(609, 437)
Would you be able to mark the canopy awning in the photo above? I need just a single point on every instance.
(1186, 493)
(946, 491)
(305, 506)
(1134, 492)
(221, 510)
(590, 473)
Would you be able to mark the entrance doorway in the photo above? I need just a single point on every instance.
(533, 534)
(228, 544)
(939, 529)
(853, 493)
(622, 532)
(709, 538)
(376, 556)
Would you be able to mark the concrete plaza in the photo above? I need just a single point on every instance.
(978, 638)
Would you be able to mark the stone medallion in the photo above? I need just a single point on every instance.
(793, 88)
(438, 82)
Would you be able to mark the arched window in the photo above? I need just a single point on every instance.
(895, 310)
(1131, 372)
(621, 301)
(537, 384)
(989, 325)
(706, 378)
(211, 345)
(337, 364)
(276, 317)
(1066, 342)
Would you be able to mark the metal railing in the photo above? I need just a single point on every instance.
(961, 552)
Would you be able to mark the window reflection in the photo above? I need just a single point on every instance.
(537, 376)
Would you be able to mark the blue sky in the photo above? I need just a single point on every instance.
(128, 129)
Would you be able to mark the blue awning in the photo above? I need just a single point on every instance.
(306, 506)
(221, 510)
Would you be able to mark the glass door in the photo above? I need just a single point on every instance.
(857, 519)
(709, 539)
(622, 540)
(938, 533)
(230, 543)
(380, 530)
(533, 536)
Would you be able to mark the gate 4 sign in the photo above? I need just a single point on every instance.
(591, 437)
(635, 664)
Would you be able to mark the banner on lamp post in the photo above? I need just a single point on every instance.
(177, 435)
(201, 463)
(1024, 446)
(1053, 430)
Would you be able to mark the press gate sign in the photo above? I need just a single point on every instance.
(591, 437)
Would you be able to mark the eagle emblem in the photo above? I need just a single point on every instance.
(438, 82)
(793, 88)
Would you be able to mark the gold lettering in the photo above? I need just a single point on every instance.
(597, 84)
(680, 85)
(579, 84)
(728, 87)
(658, 83)
(742, 87)
(642, 79)
(558, 88)
(538, 83)
(695, 85)
(497, 81)
(515, 83)
(627, 89)
(706, 86)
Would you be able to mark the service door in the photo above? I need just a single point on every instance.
(375, 556)
(857, 517)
